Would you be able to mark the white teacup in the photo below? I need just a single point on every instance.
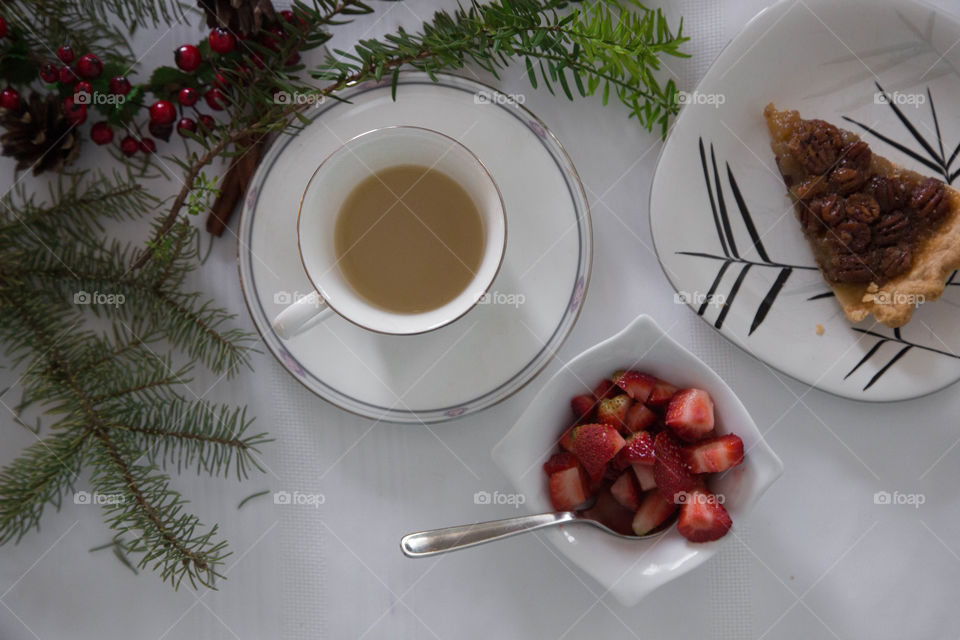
(320, 205)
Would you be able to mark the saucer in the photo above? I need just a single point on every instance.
(495, 348)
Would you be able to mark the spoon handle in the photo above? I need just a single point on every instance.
(428, 543)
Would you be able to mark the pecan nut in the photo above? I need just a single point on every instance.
(929, 200)
(893, 228)
(895, 260)
(890, 193)
(852, 268)
(851, 236)
(816, 145)
(862, 208)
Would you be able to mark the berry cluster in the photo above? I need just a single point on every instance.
(199, 75)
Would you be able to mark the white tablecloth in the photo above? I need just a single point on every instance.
(816, 559)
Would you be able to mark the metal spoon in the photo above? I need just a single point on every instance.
(430, 543)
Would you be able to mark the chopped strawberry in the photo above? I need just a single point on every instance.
(567, 490)
(645, 477)
(638, 448)
(669, 470)
(560, 462)
(637, 385)
(613, 411)
(611, 513)
(713, 455)
(654, 511)
(605, 389)
(690, 414)
(661, 394)
(583, 406)
(703, 518)
(595, 445)
(625, 491)
(638, 417)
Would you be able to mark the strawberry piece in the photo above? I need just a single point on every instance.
(639, 417)
(690, 414)
(605, 389)
(567, 490)
(669, 470)
(613, 411)
(654, 511)
(611, 513)
(645, 477)
(560, 462)
(583, 406)
(703, 518)
(661, 394)
(713, 455)
(637, 385)
(595, 445)
(638, 448)
(625, 491)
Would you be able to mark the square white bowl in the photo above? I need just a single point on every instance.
(631, 569)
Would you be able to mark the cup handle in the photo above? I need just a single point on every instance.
(301, 315)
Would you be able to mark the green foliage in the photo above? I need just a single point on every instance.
(595, 46)
(119, 404)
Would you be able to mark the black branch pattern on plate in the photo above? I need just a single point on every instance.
(731, 256)
(905, 347)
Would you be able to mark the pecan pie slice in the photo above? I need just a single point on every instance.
(885, 238)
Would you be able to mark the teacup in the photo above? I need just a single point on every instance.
(328, 188)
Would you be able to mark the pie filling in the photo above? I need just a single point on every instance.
(865, 223)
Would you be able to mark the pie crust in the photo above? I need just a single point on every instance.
(935, 256)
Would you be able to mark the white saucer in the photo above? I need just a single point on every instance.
(494, 349)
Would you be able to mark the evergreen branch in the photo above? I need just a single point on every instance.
(212, 438)
(38, 477)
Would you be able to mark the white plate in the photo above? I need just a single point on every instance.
(631, 569)
(494, 349)
(823, 58)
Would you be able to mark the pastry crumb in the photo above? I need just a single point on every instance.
(873, 287)
(820, 329)
(867, 297)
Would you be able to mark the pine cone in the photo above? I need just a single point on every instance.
(244, 17)
(39, 136)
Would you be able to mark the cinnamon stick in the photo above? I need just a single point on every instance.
(234, 185)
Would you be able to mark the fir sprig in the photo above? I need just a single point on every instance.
(119, 404)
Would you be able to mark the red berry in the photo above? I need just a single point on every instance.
(220, 81)
(49, 73)
(129, 146)
(3, 27)
(82, 87)
(89, 66)
(221, 40)
(163, 112)
(101, 133)
(186, 125)
(188, 96)
(207, 122)
(287, 16)
(65, 53)
(147, 145)
(76, 114)
(9, 99)
(187, 57)
(67, 76)
(214, 98)
(119, 85)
